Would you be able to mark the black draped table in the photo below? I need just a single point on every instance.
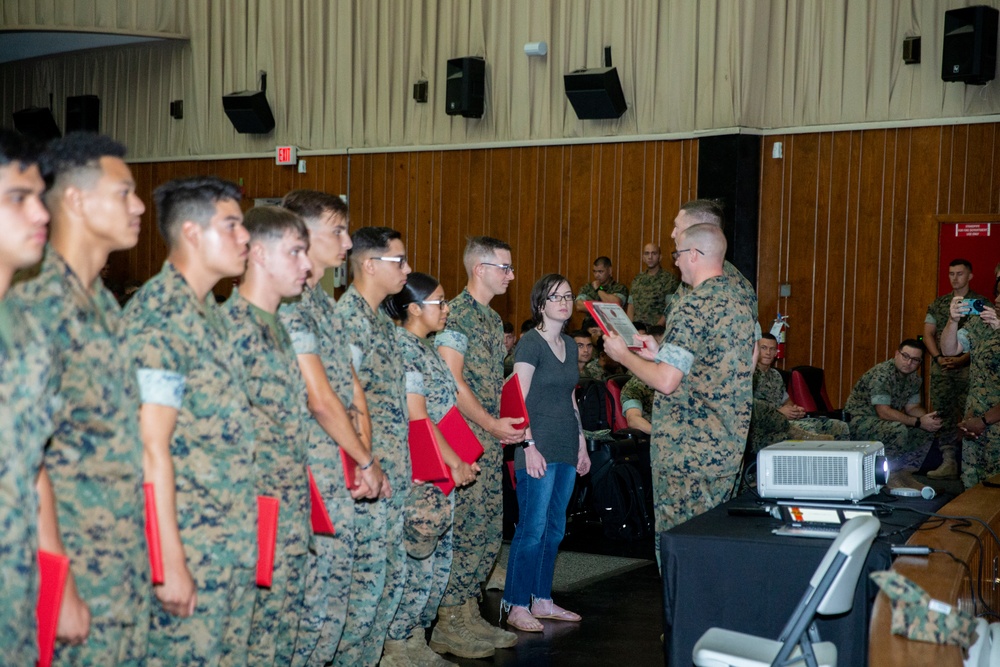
(731, 572)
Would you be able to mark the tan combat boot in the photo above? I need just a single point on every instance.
(484, 630)
(420, 654)
(452, 635)
(394, 654)
(949, 464)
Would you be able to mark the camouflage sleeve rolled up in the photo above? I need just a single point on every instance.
(427, 375)
(587, 293)
(476, 332)
(638, 395)
(883, 384)
(769, 387)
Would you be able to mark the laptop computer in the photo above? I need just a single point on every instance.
(817, 519)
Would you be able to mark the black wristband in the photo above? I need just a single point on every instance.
(527, 443)
(916, 424)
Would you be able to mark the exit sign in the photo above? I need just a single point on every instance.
(286, 155)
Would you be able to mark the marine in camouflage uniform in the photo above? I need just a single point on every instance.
(949, 388)
(380, 560)
(769, 426)
(475, 331)
(737, 281)
(278, 401)
(648, 294)
(637, 395)
(981, 456)
(94, 461)
(700, 429)
(593, 369)
(905, 446)
(589, 293)
(28, 382)
(181, 349)
(311, 323)
(429, 513)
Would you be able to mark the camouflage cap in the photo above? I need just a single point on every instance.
(918, 616)
(428, 517)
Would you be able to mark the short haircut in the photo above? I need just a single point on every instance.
(914, 343)
(709, 239)
(418, 287)
(961, 262)
(267, 224)
(640, 326)
(311, 205)
(540, 292)
(508, 328)
(479, 249)
(767, 335)
(580, 333)
(76, 159)
(656, 330)
(193, 199)
(705, 211)
(588, 323)
(371, 240)
(17, 149)
(603, 261)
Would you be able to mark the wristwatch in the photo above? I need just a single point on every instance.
(527, 443)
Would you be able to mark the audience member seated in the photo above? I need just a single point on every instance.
(885, 406)
(508, 344)
(603, 287)
(637, 404)
(775, 416)
(584, 350)
(590, 325)
(650, 289)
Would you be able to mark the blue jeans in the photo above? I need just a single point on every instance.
(542, 521)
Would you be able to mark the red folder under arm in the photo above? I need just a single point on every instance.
(53, 568)
(267, 538)
(153, 535)
(425, 455)
(321, 522)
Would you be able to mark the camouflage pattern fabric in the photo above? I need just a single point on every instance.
(638, 395)
(949, 388)
(428, 541)
(311, 322)
(588, 293)
(742, 287)
(377, 586)
(429, 513)
(94, 460)
(981, 456)
(648, 294)
(181, 348)
(905, 446)
(475, 331)
(593, 369)
(915, 615)
(699, 431)
(769, 426)
(278, 403)
(28, 400)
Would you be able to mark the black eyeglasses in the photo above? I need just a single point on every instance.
(912, 360)
(556, 298)
(398, 259)
(506, 268)
(441, 303)
(677, 253)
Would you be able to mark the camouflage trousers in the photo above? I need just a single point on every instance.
(18, 596)
(823, 426)
(327, 584)
(478, 528)
(981, 457)
(949, 389)
(278, 609)
(217, 634)
(426, 576)
(110, 643)
(906, 447)
(376, 581)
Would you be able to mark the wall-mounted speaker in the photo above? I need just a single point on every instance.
(249, 112)
(465, 90)
(970, 45)
(595, 93)
(37, 123)
(83, 113)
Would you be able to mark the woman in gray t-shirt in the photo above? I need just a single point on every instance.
(546, 467)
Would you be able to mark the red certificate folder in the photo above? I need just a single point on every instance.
(321, 522)
(460, 437)
(53, 570)
(512, 402)
(153, 535)
(425, 455)
(612, 319)
(267, 538)
(349, 467)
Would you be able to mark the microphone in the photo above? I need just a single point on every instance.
(926, 493)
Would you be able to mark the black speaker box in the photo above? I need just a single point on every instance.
(970, 45)
(466, 87)
(595, 93)
(249, 112)
(83, 113)
(37, 123)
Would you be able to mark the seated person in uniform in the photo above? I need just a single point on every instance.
(637, 396)
(603, 287)
(885, 406)
(508, 344)
(775, 416)
(584, 349)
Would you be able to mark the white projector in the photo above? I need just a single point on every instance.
(821, 469)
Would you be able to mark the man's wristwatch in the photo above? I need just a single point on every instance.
(528, 443)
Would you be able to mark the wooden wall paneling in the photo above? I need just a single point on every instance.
(477, 190)
(499, 183)
(769, 245)
(802, 165)
(605, 196)
(979, 173)
(553, 224)
(819, 325)
(634, 219)
(899, 324)
(959, 167)
(581, 241)
(945, 166)
(452, 218)
(419, 242)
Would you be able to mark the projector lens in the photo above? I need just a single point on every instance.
(881, 471)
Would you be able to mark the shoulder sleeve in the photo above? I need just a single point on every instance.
(453, 338)
(527, 350)
(681, 342)
(304, 339)
(963, 340)
(161, 366)
(878, 385)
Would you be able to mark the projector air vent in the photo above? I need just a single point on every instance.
(811, 470)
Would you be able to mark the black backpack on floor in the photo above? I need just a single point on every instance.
(622, 494)
(592, 399)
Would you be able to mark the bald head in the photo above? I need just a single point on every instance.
(707, 238)
(651, 255)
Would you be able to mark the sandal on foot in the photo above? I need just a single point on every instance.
(521, 619)
(554, 612)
